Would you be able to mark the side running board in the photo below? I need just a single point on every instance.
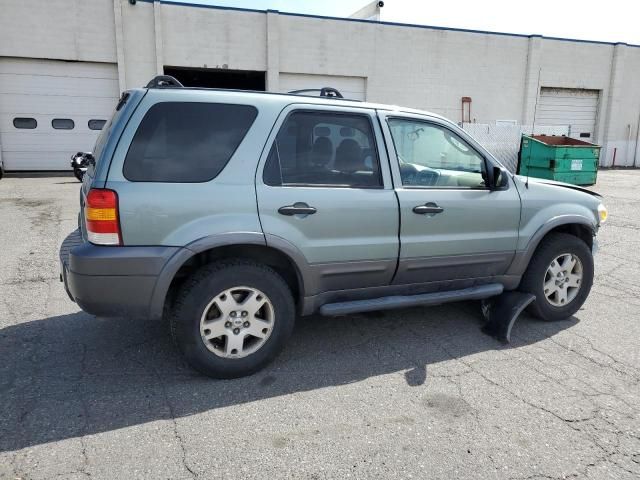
(401, 301)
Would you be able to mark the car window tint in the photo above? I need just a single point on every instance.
(430, 155)
(186, 142)
(324, 149)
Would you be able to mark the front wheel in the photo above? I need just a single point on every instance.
(232, 318)
(560, 275)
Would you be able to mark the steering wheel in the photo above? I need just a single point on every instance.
(411, 175)
(455, 143)
(428, 177)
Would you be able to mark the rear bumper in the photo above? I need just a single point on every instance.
(111, 281)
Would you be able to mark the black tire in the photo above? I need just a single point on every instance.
(202, 288)
(551, 247)
(78, 174)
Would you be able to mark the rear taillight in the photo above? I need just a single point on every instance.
(101, 215)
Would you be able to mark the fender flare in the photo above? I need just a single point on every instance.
(523, 257)
(173, 265)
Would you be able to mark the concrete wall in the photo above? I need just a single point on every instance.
(231, 40)
(407, 65)
(58, 29)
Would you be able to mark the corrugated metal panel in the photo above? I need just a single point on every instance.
(349, 87)
(48, 89)
(572, 107)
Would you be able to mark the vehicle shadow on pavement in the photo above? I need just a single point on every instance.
(74, 375)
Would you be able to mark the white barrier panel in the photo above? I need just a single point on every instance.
(503, 141)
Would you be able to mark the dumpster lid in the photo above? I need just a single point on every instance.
(561, 141)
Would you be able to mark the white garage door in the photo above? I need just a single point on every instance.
(572, 107)
(47, 108)
(349, 87)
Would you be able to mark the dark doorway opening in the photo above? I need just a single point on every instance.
(215, 78)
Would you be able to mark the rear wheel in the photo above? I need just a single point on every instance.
(232, 318)
(560, 275)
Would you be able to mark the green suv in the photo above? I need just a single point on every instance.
(231, 213)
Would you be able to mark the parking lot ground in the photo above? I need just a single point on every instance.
(417, 393)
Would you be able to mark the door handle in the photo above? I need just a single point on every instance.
(428, 208)
(298, 208)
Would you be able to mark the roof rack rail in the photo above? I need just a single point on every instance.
(164, 81)
(324, 92)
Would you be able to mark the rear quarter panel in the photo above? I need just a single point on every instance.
(176, 214)
(105, 146)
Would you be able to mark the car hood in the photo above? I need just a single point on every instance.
(544, 181)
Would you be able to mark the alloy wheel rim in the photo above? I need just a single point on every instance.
(563, 280)
(237, 322)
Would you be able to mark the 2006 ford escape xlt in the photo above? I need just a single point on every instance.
(233, 212)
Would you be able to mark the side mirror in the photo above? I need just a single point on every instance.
(499, 179)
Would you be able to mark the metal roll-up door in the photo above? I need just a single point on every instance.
(50, 109)
(572, 107)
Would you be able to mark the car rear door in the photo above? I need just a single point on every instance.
(325, 194)
(453, 227)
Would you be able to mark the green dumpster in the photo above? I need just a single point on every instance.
(559, 158)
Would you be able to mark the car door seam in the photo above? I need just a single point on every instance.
(395, 194)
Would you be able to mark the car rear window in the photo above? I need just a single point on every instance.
(186, 142)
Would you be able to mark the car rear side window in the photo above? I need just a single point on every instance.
(186, 142)
(324, 149)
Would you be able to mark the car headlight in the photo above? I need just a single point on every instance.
(602, 213)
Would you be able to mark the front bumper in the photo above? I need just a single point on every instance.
(111, 281)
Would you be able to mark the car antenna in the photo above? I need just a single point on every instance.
(533, 126)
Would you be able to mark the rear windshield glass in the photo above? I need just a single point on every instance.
(186, 142)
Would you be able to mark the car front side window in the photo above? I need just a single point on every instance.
(432, 156)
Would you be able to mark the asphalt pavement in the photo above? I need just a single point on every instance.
(415, 393)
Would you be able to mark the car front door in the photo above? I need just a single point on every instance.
(326, 197)
(453, 227)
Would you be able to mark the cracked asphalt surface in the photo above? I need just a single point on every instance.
(417, 393)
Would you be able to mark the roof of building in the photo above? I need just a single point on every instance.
(378, 22)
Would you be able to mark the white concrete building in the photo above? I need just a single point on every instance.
(68, 60)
